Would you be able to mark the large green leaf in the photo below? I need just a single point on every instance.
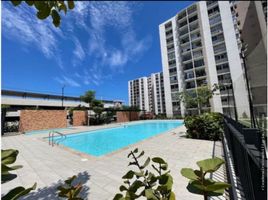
(30, 3)
(189, 173)
(191, 187)
(210, 165)
(18, 192)
(118, 197)
(43, 13)
(146, 163)
(9, 156)
(56, 18)
(158, 160)
(217, 186)
(70, 4)
(150, 195)
(172, 196)
(135, 186)
(129, 175)
(16, 3)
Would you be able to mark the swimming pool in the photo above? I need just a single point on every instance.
(101, 142)
(46, 131)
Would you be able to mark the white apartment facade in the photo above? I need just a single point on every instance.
(138, 93)
(199, 46)
(147, 93)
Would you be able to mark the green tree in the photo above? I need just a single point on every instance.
(97, 107)
(49, 8)
(199, 98)
(88, 97)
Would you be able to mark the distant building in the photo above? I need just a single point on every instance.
(200, 46)
(18, 100)
(147, 93)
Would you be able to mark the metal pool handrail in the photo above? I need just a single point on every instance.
(51, 137)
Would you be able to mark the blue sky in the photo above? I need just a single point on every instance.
(99, 46)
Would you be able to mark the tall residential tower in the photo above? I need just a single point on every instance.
(147, 93)
(200, 46)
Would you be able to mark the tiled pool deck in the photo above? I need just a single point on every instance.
(48, 166)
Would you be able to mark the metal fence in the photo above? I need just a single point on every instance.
(244, 151)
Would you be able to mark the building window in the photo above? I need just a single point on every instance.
(193, 18)
(188, 66)
(199, 63)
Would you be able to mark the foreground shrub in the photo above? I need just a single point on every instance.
(70, 190)
(207, 126)
(201, 185)
(143, 183)
(9, 157)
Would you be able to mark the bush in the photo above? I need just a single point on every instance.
(208, 126)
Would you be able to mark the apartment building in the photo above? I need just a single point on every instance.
(252, 18)
(158, 93)
(138, 93)
(200, 46)
(147, 93)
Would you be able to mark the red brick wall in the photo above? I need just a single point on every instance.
(80, 118)
(127, 116)
(42, 119)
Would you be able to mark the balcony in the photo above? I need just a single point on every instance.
(196, 44)
(182, 24)
(211, 3)
(200, 73)
(171, 72)
(223, 71)
(190, 85)
(189, 75)
(194, 26)
(191, 10)
(219, 49)
(218, 41)
(188, 66)
(201, 82)
(222, 60)
(185, 50)
(181, 15)
(169, 35)
(215, 20)
(186, 58)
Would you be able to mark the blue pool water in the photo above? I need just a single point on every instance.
(46, 131)
(105, 141)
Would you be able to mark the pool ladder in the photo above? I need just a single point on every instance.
(51, 136)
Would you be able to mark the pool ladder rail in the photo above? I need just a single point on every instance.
(51, 136)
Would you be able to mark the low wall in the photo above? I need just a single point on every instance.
(127, 116)
(80, 118)
(42, 119)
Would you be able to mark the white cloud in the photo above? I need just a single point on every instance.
(79, 53)
(97, 19)
(116, 16)
(67, 81)
(19, 24)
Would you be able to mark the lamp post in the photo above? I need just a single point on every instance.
(62, 95)
(252, 118)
